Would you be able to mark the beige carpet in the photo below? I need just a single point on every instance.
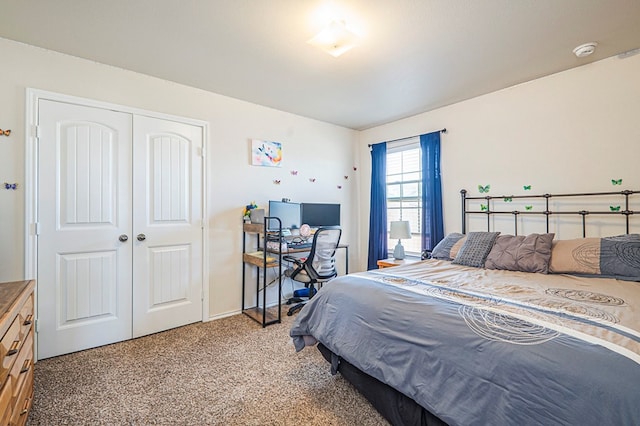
(225, 372)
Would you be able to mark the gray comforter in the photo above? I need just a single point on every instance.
(480, 347)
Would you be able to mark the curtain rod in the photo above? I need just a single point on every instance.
(409, 137)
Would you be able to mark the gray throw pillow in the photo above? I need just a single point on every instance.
(529, 253)
(442, 250)
(476, 248)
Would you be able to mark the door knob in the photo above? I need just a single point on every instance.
(123, 238)
(141, 237)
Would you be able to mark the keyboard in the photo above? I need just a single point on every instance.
(298, 246)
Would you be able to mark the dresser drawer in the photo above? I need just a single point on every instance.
(9, 347)
(24, 401)
(26, 316)
(22, 366)
(5, 404)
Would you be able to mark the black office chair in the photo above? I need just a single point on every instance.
(319, 267)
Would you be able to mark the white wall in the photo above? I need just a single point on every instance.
(569, 132)
(572, 131)
(313, 148)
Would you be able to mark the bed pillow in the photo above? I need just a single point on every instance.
(456, 247)
(617, 257)
(577, 256)
(475, 249)
(529, 253)
(443, 249)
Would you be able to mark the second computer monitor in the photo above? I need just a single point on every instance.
(317, 215)
(288, 213)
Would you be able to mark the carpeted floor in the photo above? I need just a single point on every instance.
(229, 371)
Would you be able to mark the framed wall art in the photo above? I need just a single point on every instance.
(266, 153)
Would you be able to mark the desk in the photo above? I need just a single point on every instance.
(253, 254)
(390, 262)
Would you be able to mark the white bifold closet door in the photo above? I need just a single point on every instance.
(167, 248)
(119, 226)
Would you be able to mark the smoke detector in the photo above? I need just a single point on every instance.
(585, 49)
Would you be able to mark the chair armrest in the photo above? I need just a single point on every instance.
(293, 259)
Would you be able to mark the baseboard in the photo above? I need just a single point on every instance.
(231, 313)
(223, 315)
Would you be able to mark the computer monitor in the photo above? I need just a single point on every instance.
(288, 213)
(320, 214)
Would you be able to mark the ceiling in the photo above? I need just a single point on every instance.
(413, 55)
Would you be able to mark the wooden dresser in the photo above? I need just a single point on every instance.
(16, 351)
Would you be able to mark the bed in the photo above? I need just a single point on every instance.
(495, 329)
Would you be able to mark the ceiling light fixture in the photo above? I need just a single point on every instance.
(335, 39)
(585, 49)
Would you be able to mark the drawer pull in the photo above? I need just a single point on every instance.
(28, 320)
(25, 407)
(25, 366)
(14, 348)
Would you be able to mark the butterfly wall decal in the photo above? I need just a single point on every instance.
(528, 207)
(294, 172)
(276, 181)
(12, 186)
(5, 132)
(355, 168)
(483, 207)
(484, 189)
(527, 187)
(614, 208)
(616, 182)
(346, 177)
(312, 180)
(508, 199)
(339, 186)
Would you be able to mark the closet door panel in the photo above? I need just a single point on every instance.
(84, 207)
(167, 224)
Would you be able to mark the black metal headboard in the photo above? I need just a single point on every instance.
(489, 209)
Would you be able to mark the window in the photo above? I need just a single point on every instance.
(404, 190)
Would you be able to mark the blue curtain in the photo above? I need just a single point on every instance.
(432, 220)
(378, 209)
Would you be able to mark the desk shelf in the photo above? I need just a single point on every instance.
(257, 259)
(271, 315)
(256, 234)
